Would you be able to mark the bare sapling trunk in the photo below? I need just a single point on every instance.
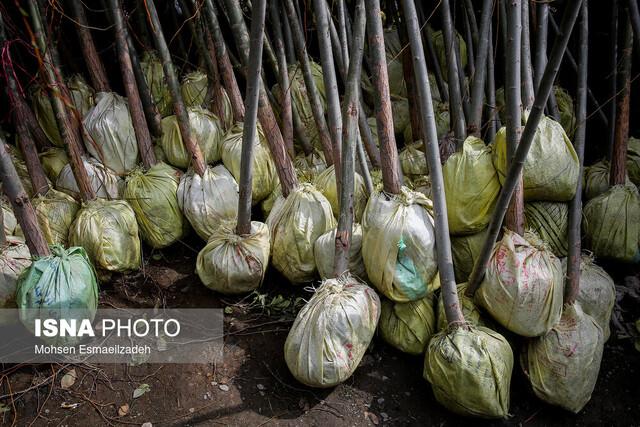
(613, 76)
(542, 35)
(494, 118)
(3, 234)
(437, 67)
(284, 166)
(452, 307)
(258, 12)
(95, 67)
(619, 155)
(514, 172)
(468, 39)
(349, 140)
(455, 95)
(512, 94)
(634, 16)
(309, 82)
(286, 114)
(21, 204)
(479, 77)
(330, 86)
(572, 285)
(384, 118)
(224, 63)
(526, 68)
(197, 159)
(56, 89)
(131, 88)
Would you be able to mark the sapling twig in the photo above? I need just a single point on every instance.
(517, 164)
(479, 77)
(613, 75)
(94, 63)
(618, 171)
(526, 67)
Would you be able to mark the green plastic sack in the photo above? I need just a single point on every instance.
(14, 259)
(205, 128)
(566, 109)
(549, 220)
(324, 252)
(596, 179)
(64, 281)
(295, 223)
(470, 371)
(332, 332)
(153, 197)
(471, 187)
(53, 160)
(114, 140)
(413, 161)
(597, 295)
(105, 183)
(551, 170)
(55, 212)
(82, 95)
(194, 89)
(611, 224)
(438, 45)
(108, 231)
(408, 326)
(265, 176)
(208, 200)
(465, 251)
(523, 285)
(233, 264)
(472, 314)
(633, 160)
(398, 245)
(325, 182)
(563, 365)
(154, 75)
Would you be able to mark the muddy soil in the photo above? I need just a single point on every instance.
(253, 385)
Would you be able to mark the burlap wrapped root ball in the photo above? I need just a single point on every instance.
(523, 285)
(465, 250)
(14, 259)
(597, 295)
(82, 98)
(295, 223)
(325, 182)
(55, 212)
(310, 165)
(563, 365)
(108, 231)
(469, 369)
(105, 183)
(53, 160)
(332, 332)
(206, 130)
(154, 76)
(611, 224)
(472, 314)
(194, 89)
(408, 326)
(596, 179)
(21, 169)
(398, 245)
(208, 200)
(64, 283)
(153, 197)
(633, 160)
(566, 110)
(265, 175)
(422, 185)
(324, 252)
(413, 161)
(471, 187)
(233, 264)
(549, 220)
(11, 226)
(551, 169)
(111, 129)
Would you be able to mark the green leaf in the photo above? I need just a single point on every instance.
(141, 390)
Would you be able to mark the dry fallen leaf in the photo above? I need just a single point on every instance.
(66, 405)
(68, 379)
(123, 410)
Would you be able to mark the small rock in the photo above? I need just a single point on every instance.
(261, 393)
(372, 417)
(381, 401)
(214, 382)
(123, 410)
(192, 410)
(223, 387)
(147, 424)
(261, 387)
(385, 378)
(384, 416)
(408, 393)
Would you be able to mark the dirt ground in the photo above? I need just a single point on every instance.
(253, 385)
